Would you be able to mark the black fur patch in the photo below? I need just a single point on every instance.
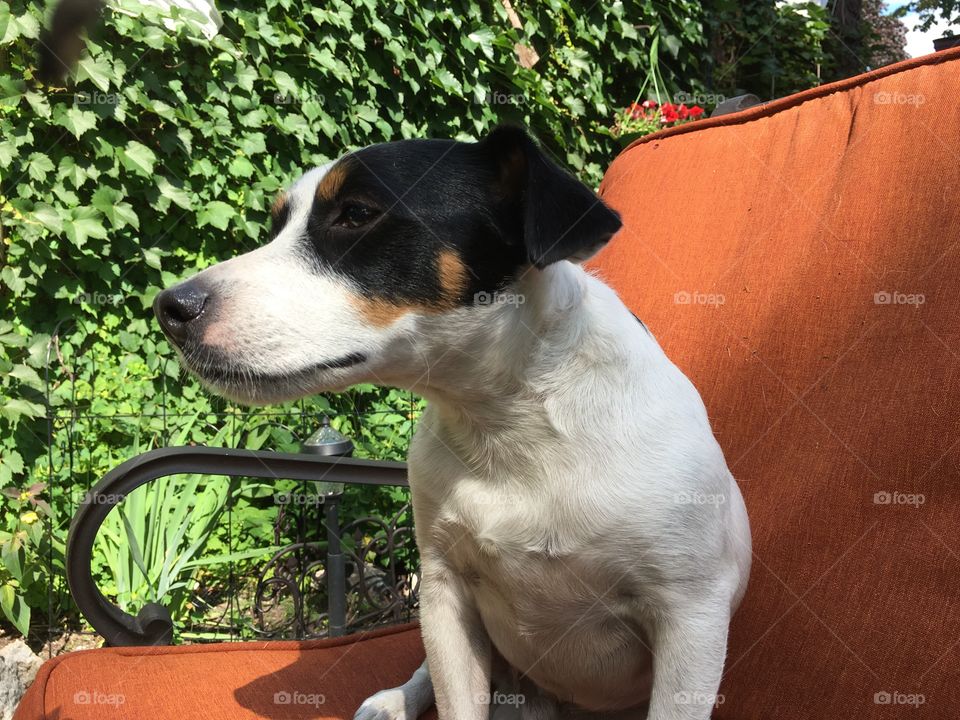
(400, 209)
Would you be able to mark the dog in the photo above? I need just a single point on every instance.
(583, 543)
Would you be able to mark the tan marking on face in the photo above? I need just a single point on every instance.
(331, 183)
(278, 204)
(452, 277)
(381, 313)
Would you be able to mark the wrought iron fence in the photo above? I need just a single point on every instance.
(283, 588)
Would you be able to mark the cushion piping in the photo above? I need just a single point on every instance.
(790, 101)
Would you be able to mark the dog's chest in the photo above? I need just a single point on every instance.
(520, 555)
(555, 604)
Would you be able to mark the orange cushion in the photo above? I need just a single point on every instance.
(800, 263)
(228, 681)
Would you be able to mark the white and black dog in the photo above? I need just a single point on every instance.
(583, 543)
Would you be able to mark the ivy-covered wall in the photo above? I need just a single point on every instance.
(163, 154)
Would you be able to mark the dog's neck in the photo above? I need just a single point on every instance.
(511, 375)
(493, 352)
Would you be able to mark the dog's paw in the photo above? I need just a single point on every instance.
(385, 705)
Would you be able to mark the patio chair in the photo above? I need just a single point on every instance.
(800, 262)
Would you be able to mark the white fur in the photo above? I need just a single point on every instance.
(574, 512)
(572, 506)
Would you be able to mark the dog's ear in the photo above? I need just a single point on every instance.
(562, 219)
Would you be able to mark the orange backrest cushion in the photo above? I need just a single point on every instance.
(800, 263)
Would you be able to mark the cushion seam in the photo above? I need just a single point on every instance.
(787, 103)
(251, 646)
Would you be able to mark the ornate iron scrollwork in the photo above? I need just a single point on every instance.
(153, 625)
(380, 579)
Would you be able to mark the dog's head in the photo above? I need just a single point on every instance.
(365, 250)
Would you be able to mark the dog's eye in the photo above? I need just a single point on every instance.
(354, 215)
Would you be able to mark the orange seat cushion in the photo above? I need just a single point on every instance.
(800, 262)
(228, 681)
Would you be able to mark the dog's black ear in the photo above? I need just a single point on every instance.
(562, 219)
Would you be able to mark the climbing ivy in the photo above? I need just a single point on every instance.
(162, 154)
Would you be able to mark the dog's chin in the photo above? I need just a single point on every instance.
(258, 386)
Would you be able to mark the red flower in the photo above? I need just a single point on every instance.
(696, 111)
(634, 110)
(668, 108)
(650, 104)
(683, 112)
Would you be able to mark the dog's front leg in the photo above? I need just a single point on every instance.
(457, 645)
(690, 644)
(407, 702)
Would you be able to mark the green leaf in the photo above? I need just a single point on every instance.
(8, 152)
(28, 25)
(253, 144)
(38, 166)
(365, 112)
(174, 193)
(98, 71)
(286, 85)
(672, 43)
(11, 278)
(15, 408)
(122, 214)
(77, 121)
(484, 38)
(69, 170)
(10, 91)
(152, 257)
(39, 104)
(8, 597)
(241, 167)
(84, 223)
(12, 459)
(8, 27)
(445, 79)
(138, 158)
(246, 75)
(48, 217)
(28, 376)
(216, 213)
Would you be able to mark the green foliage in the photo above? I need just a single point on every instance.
(155, 539)
(932, 11)
(22, 539)
(766, 48)
(163, 155)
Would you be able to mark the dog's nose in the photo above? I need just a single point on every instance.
(177, 308)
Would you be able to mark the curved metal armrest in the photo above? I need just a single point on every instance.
(153, 624)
